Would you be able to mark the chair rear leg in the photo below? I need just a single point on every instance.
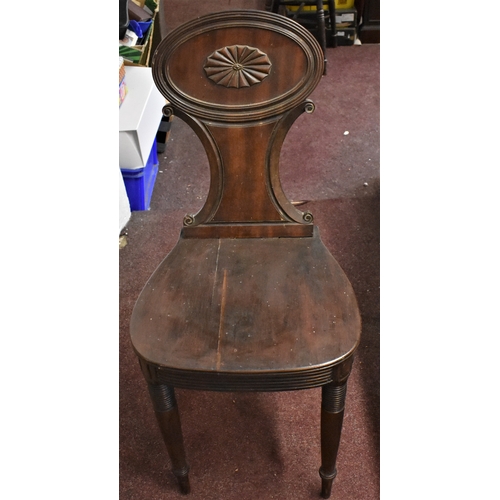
(167, 414)
(332, 416)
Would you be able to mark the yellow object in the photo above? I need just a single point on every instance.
(339, 4)
(344, 4)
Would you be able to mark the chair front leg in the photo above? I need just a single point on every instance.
(332, 416)
(167, 414)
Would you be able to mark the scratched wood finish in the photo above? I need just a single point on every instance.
(249, 299)
(247, 306)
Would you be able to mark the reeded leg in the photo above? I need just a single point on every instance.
(332, 416)
(167, 414)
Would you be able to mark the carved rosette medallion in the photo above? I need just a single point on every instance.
(237, 66)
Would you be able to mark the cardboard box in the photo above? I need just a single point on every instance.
(138, 54)
(346, 18)
(140, 116)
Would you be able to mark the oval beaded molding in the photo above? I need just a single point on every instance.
(273, 61)
(237, 66)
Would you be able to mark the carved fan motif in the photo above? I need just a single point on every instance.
(237, 66)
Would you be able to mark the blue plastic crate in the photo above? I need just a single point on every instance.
(139, 182)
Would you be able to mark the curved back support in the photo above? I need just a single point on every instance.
(240, 79)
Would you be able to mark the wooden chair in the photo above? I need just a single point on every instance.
(249, 299)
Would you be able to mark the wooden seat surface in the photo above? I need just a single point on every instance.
(261, 306)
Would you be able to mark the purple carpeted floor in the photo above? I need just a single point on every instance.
(253, 446)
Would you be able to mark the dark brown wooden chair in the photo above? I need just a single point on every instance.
(249, 299)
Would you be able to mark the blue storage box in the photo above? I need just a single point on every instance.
(139, 182)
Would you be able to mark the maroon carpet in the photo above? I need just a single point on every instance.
(252, 446)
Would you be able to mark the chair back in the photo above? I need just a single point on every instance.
(240, 79)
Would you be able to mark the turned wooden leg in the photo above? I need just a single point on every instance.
(167, 414)
(332, 415)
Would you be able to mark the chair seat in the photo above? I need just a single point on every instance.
(257, 314)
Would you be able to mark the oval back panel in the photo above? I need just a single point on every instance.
(237, 66)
